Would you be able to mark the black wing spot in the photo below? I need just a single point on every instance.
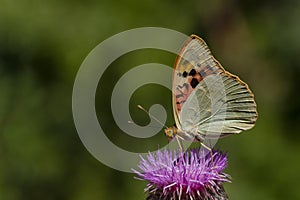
(194, 82)
(180, 102)
(192, 72)
(184, 74)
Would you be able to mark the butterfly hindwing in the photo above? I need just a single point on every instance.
(220, 105)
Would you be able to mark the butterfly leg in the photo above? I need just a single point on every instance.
(210, 150)
(201, 140)
(179, 143)
(205, 146)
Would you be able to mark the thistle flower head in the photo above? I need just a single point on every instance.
(194, 174)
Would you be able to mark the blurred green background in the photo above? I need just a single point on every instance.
(43, 43)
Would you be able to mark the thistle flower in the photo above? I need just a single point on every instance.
(192, 175)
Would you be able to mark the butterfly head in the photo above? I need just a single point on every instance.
(171, 132)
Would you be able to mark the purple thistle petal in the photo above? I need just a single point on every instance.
(194, 174)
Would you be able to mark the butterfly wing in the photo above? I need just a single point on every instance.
(208, 101)
(193, 64)
(220, 105)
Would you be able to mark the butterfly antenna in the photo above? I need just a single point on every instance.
(140, 107)
(132, 122)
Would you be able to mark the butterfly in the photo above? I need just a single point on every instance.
(208, 101)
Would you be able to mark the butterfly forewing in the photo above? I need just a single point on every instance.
(209, 102)
(193, 64)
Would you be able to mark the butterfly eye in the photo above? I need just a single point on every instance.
(169, 133)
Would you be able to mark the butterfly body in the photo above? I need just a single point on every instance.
(208, 102)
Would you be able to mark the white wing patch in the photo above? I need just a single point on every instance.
(220, 105)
